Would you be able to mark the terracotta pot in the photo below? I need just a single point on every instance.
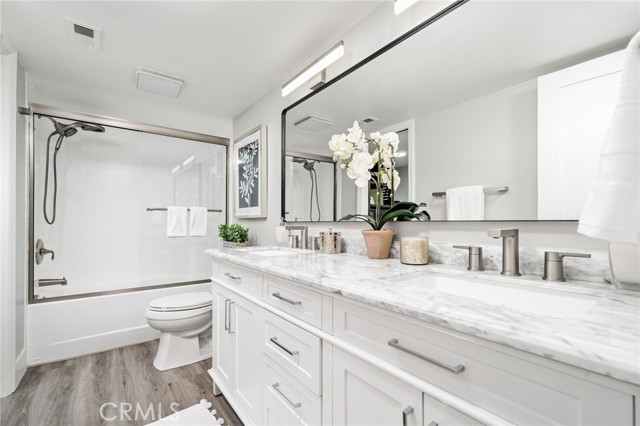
(378, 243)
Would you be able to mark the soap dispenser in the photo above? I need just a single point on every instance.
(281, 233)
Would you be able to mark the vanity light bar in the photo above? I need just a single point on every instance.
(329, 57)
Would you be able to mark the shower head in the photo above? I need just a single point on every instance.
(308, 165)
(68, 130)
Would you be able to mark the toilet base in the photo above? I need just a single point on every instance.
(175, 351)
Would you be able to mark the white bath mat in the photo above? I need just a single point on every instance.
(197, 415)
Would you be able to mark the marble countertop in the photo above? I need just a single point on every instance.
(604, 339)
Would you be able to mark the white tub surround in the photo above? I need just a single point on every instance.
(605, 339)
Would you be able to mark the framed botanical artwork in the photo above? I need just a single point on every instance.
(250, 171)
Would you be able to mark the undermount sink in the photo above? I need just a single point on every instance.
(274, 252)
(542, 301)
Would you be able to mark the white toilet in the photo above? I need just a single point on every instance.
(184, 321)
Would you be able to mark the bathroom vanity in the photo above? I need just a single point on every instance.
(302, 337)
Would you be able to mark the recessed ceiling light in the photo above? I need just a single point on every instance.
(158, 83)
(400, 154)
(400, 6)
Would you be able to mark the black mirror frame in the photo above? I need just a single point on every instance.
(379, 52)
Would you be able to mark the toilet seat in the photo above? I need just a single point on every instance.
(181, 302)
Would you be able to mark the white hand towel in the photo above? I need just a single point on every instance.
(198, 222)
(176, 221)
(465, 203)
(611, 211)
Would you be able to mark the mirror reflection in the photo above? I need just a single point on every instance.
(513, 98)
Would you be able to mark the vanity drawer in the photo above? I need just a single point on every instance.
(435, 413)
(299, 302)
(295, 349)
(504, 382)
(285, 400)
(237, 277)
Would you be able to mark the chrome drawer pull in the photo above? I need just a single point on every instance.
(405, 413)
(455, 370)
(231, 302)
(228, 275)
(274, 340)
(433, 423)
(284, 299)
(226, 314)
(276, 386)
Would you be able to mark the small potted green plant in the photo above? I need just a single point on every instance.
(233, 236)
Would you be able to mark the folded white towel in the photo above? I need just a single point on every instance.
(176, 221)
(465, 203)
(612, 206)
(198, 222)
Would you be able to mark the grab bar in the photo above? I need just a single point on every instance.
(43, 282)
(164, 209)
(489, 190)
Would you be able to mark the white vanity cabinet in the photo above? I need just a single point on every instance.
(236, 360)
(287, 354)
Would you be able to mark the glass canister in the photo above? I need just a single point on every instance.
(414, 250)
(330, 242)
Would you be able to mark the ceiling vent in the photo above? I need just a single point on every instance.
(83, 34)
(313, 123)
(158, 83)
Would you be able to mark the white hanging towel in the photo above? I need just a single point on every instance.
(465, 203)
(176, 221)
(612, 206)
(198, 222)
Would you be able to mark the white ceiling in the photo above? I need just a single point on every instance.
(230, 53)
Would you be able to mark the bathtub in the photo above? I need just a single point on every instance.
(58, 330)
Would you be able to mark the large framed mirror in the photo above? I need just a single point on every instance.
(513, 96)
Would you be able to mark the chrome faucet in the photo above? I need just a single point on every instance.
(302, 240)
(510, 250)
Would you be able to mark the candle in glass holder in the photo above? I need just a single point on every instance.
(414, 250)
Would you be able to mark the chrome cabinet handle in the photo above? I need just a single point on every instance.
(405, 413)
(276, 386)
(455, 369)
(226, 314)
(231, 303)
(274, 340)
(228, 275)
(284, 299)
(433, 423)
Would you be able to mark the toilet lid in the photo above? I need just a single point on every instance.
(181, 302)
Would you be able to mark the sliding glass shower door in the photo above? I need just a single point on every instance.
(110, 191)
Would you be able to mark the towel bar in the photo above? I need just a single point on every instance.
(489, 190)
(164, 209)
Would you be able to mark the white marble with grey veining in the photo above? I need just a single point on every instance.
(605, 339)
(594, 269)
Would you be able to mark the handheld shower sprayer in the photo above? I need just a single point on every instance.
(63, 131)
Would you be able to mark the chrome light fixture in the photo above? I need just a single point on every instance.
(400, 6)
(327, 58)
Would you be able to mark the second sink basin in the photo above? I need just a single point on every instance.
(522, 297)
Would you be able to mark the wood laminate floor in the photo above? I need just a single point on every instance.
(72, 392)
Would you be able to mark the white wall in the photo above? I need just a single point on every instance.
(12, 226)
(368, 35)
(490, 141)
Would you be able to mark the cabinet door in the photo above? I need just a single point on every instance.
(364, 395)
(223, 340)
(246, 326)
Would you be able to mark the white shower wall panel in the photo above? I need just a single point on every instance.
(103, 237)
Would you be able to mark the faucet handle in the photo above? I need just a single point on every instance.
(498, 233)
(553, 266)
(475, 257)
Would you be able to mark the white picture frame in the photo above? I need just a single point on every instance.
(250, 173)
